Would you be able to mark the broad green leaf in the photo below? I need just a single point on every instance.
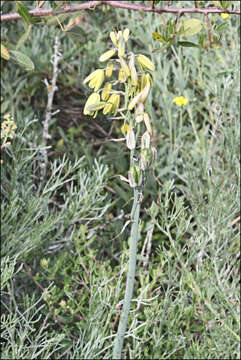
(187, 44)
(190, 27)
(24, 37)
(23, 60)
(158, 37)
(23, 12)
(4, 52)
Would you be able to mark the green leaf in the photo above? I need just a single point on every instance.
(187, 44)
(190, 27)
(23, 12)
(4, 52)
(158, 37)
(23, 60)
(24, 37)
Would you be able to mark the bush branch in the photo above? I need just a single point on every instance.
(118, 4)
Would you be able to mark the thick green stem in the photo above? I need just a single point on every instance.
(135, 212)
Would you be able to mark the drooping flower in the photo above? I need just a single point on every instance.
(143, 61)
(94, 98)
(180, 100)
(95, 79)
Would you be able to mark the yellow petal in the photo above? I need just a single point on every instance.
(109, 69)
(145, 62)
(92, 99)
(107, 55)
(92, 75)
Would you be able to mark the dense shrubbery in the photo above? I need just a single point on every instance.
(63, 263)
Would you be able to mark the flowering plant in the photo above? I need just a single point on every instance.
(126, 93)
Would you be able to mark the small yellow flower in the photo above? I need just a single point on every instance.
(225, 16)
(92, 99)
(62, 303)
(143, 61)
(95, 79)
(125, 128)
(107, 55)
(180, 100)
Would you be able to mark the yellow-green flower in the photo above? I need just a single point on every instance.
(143, 61)
(107, 55)
(112, 105)
(95, 79)
(92, 99)
(225, 16)
(180, 100)
(125, 128)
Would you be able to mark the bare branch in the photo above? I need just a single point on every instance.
(51, 90)
(118, 4)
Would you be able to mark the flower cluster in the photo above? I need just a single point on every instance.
(123, 85)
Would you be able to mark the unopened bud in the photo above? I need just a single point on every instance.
(145, 140)
(146, 159)
(147, 123)
(131, 139)
(135, 176)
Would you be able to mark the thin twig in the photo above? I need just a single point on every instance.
(119, 4)
(209, 30)
(51, 90)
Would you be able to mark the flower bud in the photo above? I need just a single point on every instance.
(135, 176)
(147, 123)
(146, 159)
(114, 38)
(145, 140)
(121, 47)
(126, 33)
(139, 112)
(107, 55)
(134, 78)
(131, 139)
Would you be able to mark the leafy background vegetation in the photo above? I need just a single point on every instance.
(63, 263)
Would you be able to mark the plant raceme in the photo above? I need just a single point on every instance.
(123, 86)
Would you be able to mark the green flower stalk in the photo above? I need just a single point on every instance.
(126, 91)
